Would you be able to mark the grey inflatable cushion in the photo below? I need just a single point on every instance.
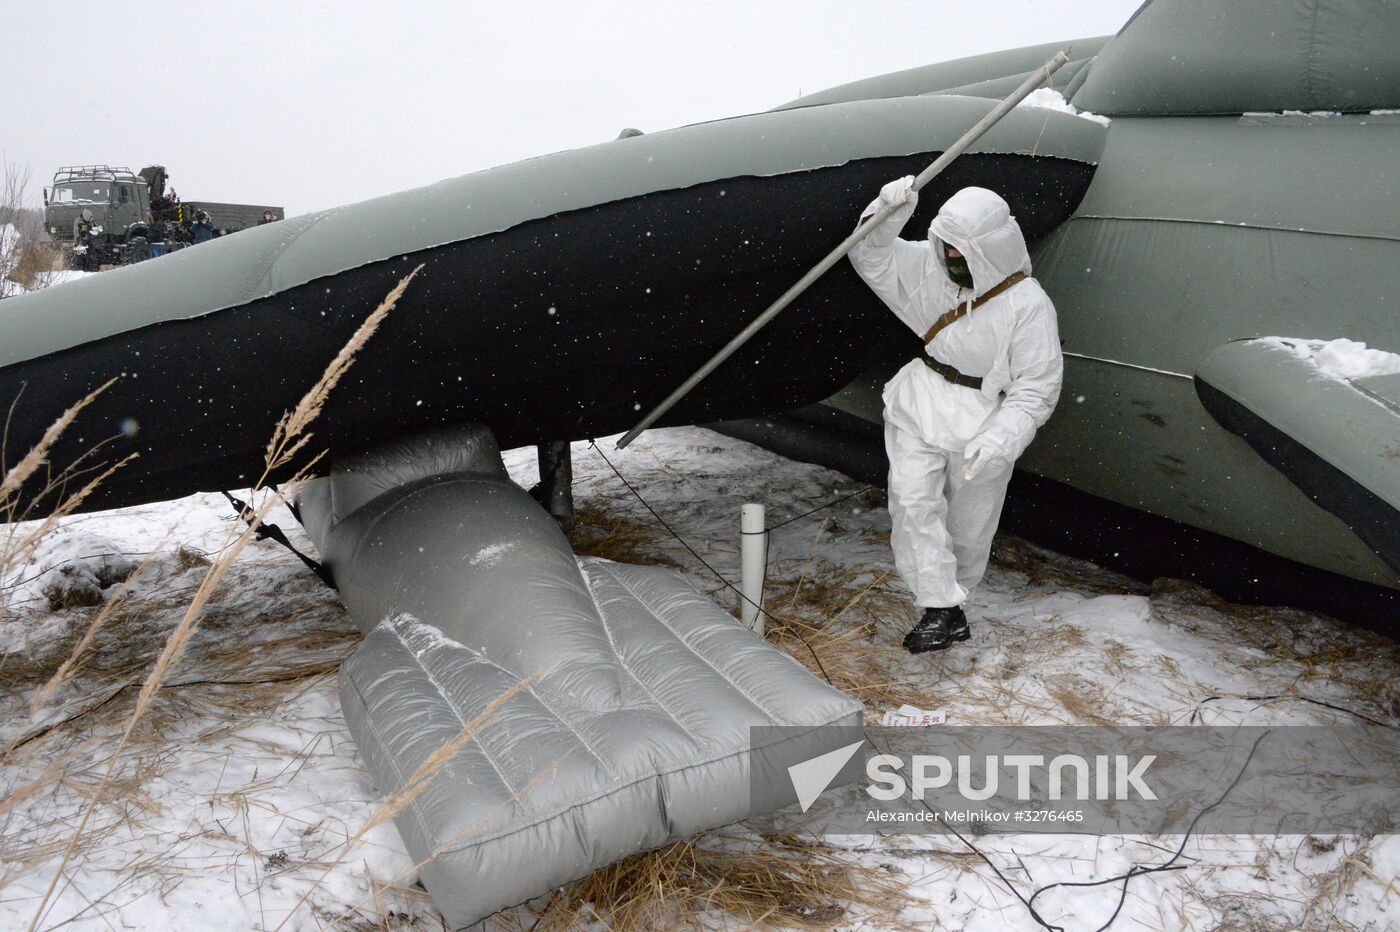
(633, 729)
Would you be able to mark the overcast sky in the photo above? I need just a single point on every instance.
(311, 104)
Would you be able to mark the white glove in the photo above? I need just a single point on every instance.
(980, 452)
(1001, 442)
(898, 192)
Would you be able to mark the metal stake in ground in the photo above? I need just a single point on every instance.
(940, 163)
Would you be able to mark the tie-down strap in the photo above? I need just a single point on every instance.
(962, 310)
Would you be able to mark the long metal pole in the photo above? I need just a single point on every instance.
(877, 218)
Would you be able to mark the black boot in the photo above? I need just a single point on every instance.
(938, 630)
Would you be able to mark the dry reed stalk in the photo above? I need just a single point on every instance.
(426, 772)
(38, 455)
(15, 554)
(291, 434)
(46, 777)
(811, 552)
(288, 439)
(418, 781)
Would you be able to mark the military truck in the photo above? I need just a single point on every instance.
(133, 215)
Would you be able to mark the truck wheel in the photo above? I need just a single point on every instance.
(137, 250)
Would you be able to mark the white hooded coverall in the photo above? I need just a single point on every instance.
(942, 522)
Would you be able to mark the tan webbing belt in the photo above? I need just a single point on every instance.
(962, 310)
(953, 375)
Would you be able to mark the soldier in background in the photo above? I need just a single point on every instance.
(203, 229)
(84, 229)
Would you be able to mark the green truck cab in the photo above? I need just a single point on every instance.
(133, 215)
(120, 204)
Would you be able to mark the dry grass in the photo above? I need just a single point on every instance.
(845, 625)
(1322, 655)
(1084, 699)
(773, 882)
(612, 535)
(31, 484)
(289, 439)
(68, 669)
(35, 264)
(1042, 568)
(24, 258)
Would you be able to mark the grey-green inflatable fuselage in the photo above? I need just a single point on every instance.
(559, 296)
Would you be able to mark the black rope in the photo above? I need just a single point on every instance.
(1029, 902)
(1125, 878)
(267, 531)
(705, 563)
(1195, 714)
(1167, 865)
(806, 514)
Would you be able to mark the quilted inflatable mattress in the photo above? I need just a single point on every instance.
(608, 706)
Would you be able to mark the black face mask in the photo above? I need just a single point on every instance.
(958, 270)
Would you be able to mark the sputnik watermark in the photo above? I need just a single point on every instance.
(811, 778)
(1106, 777)
(1283, 781)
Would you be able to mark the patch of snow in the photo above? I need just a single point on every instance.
(9, 260)
(1292, 113)
(1049, 99)
(419, 636)
(63, 276)
(82, 580)
(9, 242)
(491, 554)
(1342, 358)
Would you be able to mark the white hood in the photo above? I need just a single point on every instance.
(978, 223)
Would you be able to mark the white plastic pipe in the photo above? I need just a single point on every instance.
(753, 557)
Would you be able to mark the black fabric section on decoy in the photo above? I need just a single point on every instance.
(642, 291)
(1368, 515)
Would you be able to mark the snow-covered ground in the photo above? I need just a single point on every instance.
(233, 805)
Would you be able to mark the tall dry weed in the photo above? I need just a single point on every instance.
(288, 439)
(19, 499)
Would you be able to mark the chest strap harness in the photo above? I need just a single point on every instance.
(958, 313)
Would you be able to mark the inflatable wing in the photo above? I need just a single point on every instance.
(1336, 439)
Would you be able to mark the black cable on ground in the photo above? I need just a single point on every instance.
(705, 563)
(1317, 702)
(1157, 868)
(986, 860)
(1029, 902)
(806, 514)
